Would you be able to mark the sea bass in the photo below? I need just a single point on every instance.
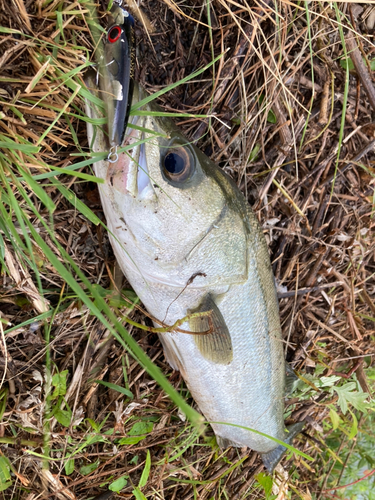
(187, 240)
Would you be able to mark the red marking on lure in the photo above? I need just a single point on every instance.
(114, 34)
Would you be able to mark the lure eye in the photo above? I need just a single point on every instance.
(178, 165)
(114, 34)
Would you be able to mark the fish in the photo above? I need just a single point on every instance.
(116, 72)
(191, 247)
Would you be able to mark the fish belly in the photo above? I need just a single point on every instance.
(249, 392)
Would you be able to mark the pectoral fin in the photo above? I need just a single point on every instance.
(215, 346)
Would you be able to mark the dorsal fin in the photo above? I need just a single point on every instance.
(217, 345)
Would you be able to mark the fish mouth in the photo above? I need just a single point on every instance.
(129, 174)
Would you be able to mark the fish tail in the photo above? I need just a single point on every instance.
(273, 457)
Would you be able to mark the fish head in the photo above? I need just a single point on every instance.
(169, 201)
(165, 188)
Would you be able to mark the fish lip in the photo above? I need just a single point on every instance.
(129, 174)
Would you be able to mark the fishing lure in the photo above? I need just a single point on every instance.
(116, 74)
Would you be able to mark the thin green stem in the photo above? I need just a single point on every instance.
(345, 97)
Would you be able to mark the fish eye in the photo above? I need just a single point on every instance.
(114, 34)
(177, 164)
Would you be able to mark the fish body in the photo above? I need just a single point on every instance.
(187, 240)
(116, 71)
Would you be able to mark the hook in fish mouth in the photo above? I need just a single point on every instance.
(128, 172)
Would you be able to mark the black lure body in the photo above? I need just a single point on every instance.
(117, 73)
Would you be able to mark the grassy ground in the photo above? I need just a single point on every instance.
(79, 413)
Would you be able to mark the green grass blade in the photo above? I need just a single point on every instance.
(112, 323)
(154, 96)
(117, 388)
(146, 471)
(77, 203)
(24, 148)
(278, 441)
